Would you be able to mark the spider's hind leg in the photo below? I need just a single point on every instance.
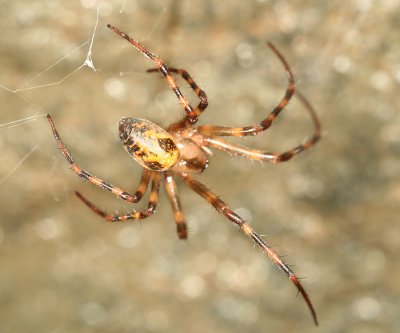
(135, 214)
(118, 192)
(186, 76)
(191, 116)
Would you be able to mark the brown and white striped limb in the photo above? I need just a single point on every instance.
(192, 117)
(172, 191)
(118, 192)
(252, 130)
(223, 208)
(135, 214)
(260, 155)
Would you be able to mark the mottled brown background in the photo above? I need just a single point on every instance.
(334, 210)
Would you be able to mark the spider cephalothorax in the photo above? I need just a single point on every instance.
(184, 149)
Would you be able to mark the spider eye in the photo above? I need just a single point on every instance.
(148, 144)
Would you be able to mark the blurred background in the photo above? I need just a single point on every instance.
(333, 211)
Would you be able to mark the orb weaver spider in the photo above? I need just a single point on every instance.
(182, 150)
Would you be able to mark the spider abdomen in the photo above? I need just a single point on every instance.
(148, 144)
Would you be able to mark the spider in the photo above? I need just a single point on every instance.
(183, 150)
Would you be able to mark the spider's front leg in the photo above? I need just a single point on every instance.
(260, 155)
(223, 208)
(266, 122)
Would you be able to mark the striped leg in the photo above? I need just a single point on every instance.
(144, 182)
(222, 208)
(199, 92)
(265, 123)
(172, 192)
(134, 215)
(192, 117)
(258, 155)
(95, 180)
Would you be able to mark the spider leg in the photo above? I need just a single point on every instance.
(191, 116)
(133, 215)
(222, 208)
(199, 92)
(258, 155)
(95, 180)
(172, 192)
(144, 183)
(265, 123)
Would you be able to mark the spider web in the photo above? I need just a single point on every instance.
(23, 156)
(30, 85)
(88, 62)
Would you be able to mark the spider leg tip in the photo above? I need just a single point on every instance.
(306, 298)
(269, 43)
